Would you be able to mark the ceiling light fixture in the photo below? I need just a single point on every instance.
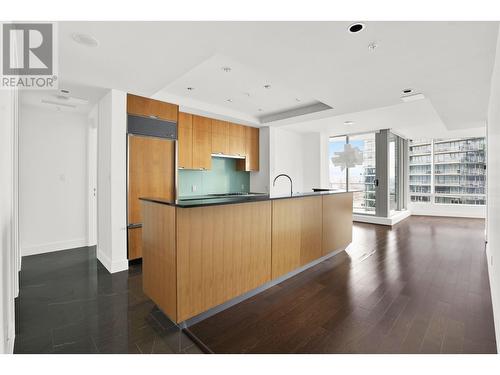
(297, 99)
(407, 91)
(226, 69)
(85, 39)
(356, 27)
(348, 122)
(64, 91)
(267, 86)
(230, 100)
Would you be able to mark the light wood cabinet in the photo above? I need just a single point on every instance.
(200, 257)
(251, 162)
(237, 139)
(140, 106)
(185, 140)
(296, 233)
(134, 236)
(159, 276)
(337, 222)
(202, 142)
(222, 252)
(220, 137)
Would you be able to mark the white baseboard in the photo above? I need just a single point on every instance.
(112, 267)
(53, 246)
(394, 219)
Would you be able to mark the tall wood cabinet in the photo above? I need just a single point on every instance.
(151, 166)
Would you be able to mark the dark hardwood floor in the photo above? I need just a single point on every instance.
(420, 287)
(69, 303)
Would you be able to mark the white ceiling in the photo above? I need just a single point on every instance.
(449, 62)
(80, 99)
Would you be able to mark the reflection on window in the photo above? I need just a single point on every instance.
(352, 167)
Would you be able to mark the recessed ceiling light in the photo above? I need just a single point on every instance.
(267, 86)
(226, 69)
(407, 91)
(246, 94)
(190, 88)
(348, 122)
(260, 110)
(230, 100)
(85, 39)
(64, 91)
(356, 27)
(372, 46)
(297, 99)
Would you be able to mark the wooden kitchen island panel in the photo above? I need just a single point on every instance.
(297, 226)
(200, 254)
(222, 252)
(159, 256)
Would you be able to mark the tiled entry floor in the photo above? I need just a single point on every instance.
(69, 303)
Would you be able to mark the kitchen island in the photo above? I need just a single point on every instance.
(201, 253)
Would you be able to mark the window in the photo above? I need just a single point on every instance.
(337, 169)
(352, 168)
(448, 171)
(362, 173)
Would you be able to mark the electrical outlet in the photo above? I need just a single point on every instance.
(193, 187)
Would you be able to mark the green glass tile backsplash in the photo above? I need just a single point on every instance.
(222, 178)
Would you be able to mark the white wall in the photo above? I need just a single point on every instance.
(112, 182)
(53, 180)
(455, 210)
(9, 258)
(301, 156)
(493, 191)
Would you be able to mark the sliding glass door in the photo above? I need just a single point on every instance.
(370, 166)
(363, 173)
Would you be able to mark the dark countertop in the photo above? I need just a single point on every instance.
(190, 202)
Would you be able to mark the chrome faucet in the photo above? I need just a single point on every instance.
(284, 175)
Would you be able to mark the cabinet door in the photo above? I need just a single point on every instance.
(151, 172)
(134, 243)
(185, 141)
(237, 139)
(251, 162)
(202, 142)
(220, 137)
(140, 106)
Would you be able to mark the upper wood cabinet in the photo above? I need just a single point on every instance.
(220, 137)
(185, 140)
(251, 162)
(140, 106)
(237, 139)
(200, 137)
(202, 142)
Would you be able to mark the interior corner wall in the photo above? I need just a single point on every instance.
(112, 181)
(493, 191)
(52, 180)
